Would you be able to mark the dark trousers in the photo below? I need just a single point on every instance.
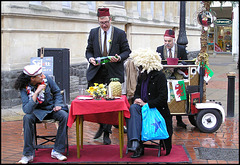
(134, 126)
(179, 119)
(102, 77)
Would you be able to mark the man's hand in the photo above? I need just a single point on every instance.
(115, 58)
(40, 88)
(139, 102)
(57, 108)
(93, 61)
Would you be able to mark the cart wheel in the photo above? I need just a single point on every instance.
(192, 119)
(208, 120)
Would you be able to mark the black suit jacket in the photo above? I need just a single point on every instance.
(118, 46)
(181, 52)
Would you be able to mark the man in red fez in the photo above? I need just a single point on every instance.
(114, 46)
(177, 51)
(170, 49)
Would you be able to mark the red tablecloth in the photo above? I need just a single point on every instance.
(99, 111)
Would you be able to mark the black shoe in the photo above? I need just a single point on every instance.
(181, 124)
(106, 139)
(135, 146)
(139, 152)
(99, 133)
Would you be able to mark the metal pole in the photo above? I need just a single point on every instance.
(201, 82)
(231, 91)
(182, 37)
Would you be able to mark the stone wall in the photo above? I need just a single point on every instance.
(11, 97)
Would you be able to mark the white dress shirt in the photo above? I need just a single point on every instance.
(172, 50)
(108, 38)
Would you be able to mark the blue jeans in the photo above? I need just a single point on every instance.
(134, 124)
(30, 119)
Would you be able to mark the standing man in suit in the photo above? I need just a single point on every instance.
(117, 47)
(170, 49)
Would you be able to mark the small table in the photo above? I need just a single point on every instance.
(99, 111)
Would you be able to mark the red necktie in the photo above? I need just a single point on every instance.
(170, 53)
(105, 44)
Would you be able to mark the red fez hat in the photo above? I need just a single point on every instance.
(169, 33)
(103, 12)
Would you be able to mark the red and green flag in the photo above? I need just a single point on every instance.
(208, 73)
(179, 90)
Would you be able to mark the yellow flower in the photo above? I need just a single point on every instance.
(110, 41)
(97, 90)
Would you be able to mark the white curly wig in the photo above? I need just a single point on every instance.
(148, 59)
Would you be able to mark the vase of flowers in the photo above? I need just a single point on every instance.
(98, 91)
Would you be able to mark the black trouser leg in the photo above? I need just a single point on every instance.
(168, 144)
(106, 128)
(179, 119)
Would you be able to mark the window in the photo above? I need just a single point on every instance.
(35, 2)
(66, 4)
(163, 9)
(91, 5)
(139, 7)
(119, 3)
(152, 8)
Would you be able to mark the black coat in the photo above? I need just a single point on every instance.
(157, 96)
(118, 46)
(181, 52)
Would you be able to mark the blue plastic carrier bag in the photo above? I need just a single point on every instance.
(153, 124)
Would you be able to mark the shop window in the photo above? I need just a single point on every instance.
(210, 43)
(223, 39)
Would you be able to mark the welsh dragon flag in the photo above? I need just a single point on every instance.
(179, 90)
(208, 73)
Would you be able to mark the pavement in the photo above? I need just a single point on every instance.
(227, 136)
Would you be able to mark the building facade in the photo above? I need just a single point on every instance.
(27, 26)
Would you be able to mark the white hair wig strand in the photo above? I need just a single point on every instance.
(148, 59)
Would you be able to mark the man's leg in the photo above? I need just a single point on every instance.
(107, 130)
(62, 117)
(99, 132)
(134, 126)
(180, 123)
(28, 121)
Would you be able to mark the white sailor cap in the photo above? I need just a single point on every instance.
(32, 70)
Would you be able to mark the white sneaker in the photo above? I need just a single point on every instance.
(57, 155)
(25, 160)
